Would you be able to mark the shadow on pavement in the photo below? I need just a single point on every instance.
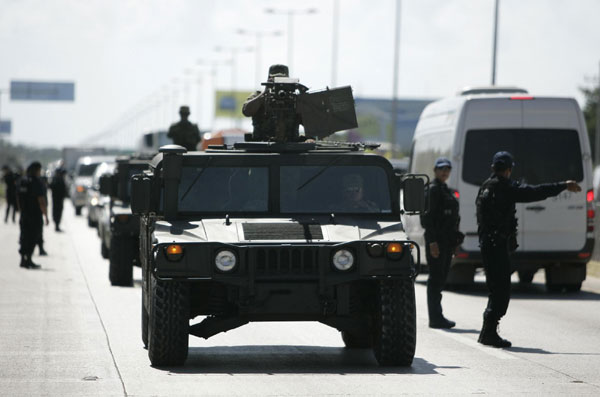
(535, 350)
(462, 331)
(292, 360)
(525, 291)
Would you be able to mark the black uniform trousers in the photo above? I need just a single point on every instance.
(438, 273)
(31, 233)
(496, 261)
(57, 210)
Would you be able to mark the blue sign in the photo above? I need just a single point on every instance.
(41, 91)
(227, 103)
(5, 127)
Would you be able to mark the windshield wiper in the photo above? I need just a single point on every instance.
(195, 180)
(319, 173)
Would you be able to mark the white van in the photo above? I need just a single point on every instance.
(548, 139)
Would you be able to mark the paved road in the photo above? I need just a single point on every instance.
(65, 331)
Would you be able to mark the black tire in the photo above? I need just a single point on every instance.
(122, 255)
(526, 276)
(144, 326)
(78, 211)
(395, 329)
(104, 250)
(357, 342)
(91, 223)
(168, 323)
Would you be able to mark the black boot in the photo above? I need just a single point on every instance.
(31, 265)
(489, 335)
(42, 251)
(23, 261)
(441, 322)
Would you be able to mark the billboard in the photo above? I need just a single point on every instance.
(229, 103)
(41, 91)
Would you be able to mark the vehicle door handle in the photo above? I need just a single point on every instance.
(536, 208)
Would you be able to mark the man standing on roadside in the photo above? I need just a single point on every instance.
(32, 205)
(497, 229)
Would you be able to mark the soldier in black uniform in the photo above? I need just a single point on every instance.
(59, 192)
(497, 228)
(32, 205)
(10, 179)
(441, 239)
(267, 122)
(183, 132)
(40, 244)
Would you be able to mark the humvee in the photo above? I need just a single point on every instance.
(266, 231)
(118, 228)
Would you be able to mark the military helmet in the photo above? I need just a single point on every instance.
(184, 109)
(278, 70)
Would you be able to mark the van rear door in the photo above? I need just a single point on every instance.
(551, 147)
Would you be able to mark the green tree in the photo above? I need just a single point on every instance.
(590, 112)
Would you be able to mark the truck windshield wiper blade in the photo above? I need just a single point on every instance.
(195, 180)
(319, 173)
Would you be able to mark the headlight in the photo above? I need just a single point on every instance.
(343, 259)
(225, 260)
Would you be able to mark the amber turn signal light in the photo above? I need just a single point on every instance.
(174, 252)
(394, 248)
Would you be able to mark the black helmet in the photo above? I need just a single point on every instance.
(278, 70)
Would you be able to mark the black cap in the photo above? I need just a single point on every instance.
(503, 160)
(278, 70)
(442, 162)
(35, 165)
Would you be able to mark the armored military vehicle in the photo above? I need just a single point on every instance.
(268, 231)
(118, 228)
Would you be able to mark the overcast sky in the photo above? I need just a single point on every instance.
(130, 55)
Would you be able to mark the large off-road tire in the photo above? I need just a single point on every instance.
(526, 276)
(168, 323)
(78, 210)
(122, 255)
(144, 326)
(395, 330)
(357, 342)
(104, 250)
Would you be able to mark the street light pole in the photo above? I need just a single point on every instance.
(395, 80)
(334, 44)
(290, 28)
(495, 42)
(258, 34)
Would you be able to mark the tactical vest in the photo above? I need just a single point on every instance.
(495, 211)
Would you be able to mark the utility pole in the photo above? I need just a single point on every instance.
(495, 42)
(395, 81)
(258, 35)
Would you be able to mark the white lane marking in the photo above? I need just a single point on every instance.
(492, 351)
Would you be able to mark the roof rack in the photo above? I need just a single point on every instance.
(294, 147)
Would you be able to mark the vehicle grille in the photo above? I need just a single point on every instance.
(281, 231)
(281, 261)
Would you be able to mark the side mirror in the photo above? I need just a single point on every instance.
(413, 193)
(140, 194)
(106, 185)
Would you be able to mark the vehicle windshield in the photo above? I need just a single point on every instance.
(334, 189)
(87, 169)
(541, 156)
(224, 189)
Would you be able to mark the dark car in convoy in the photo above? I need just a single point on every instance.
(118, 228)
(265, 231)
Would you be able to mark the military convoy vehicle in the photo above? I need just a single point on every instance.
(268, 231)
(118, 228)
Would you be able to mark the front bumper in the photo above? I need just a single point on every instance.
(283, 263)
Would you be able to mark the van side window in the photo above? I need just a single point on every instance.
(427, 148)
(541, 156)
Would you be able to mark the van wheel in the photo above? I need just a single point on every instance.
(168, 323)
(120, 271)
(104, 250)
(395, 330)
(526, 276)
